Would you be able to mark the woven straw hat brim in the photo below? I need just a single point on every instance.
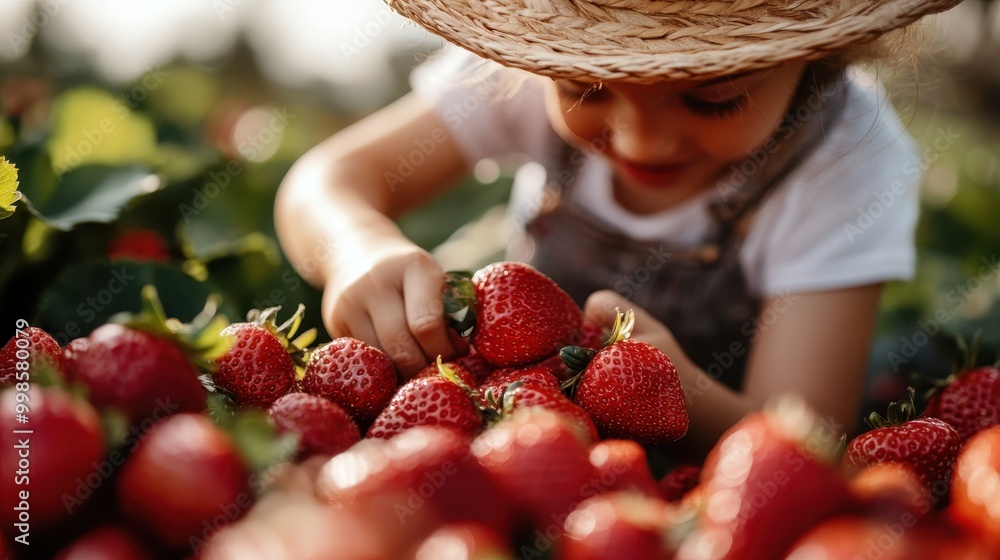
(646, 41)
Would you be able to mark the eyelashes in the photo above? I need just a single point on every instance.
(706, 109)
(580, 94)
(715, 109)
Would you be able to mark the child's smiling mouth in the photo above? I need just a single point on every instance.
(657, 175)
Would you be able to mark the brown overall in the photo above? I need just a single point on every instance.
(700, 293)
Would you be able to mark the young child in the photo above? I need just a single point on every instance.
(721, 167)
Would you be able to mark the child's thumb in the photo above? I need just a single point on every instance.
(599, 310)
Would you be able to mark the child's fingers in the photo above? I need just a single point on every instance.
(357, 325)
(389, 321)
(599, 311)
(422, 288)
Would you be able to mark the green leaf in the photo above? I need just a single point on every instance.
(90, 126)
(258, 441)
(95, 193)
(8, 188)
(83, 297)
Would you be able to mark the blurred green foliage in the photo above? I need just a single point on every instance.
(178, 153)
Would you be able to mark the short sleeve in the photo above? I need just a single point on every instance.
(488, 109)
(847, 217)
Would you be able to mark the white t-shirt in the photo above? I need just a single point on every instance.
(845, 216)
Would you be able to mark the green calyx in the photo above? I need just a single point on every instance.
(199, 339)
(898, 413)
(296, 346)
(460, 301)
(508, 397)
(577, 358)
(967, 352)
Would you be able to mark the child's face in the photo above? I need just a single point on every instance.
(669, 141)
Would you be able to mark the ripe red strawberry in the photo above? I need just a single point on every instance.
(186, 473)
(363, 481)
(108, 542)
(498, 381)
(521, 315)
(852, 538)
(432, 370)
(969, 402)
(323, 427)
(540, 462)
(466, 541)
(138, 373)
(42, 351)
(256, 370)
(65, 445)
(975, 490)
(630, 388)
(763, 486)
(678, 482)
(359, 378)
(476, 364)
(140, 245)
(430, 401)
(419, 478)
(622, 465)
(531, 393)
(927, 445)
(289, 526)
(70, 353)
(891, 490)
(259, 365)
(615, 526)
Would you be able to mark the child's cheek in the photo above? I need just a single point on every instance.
(737, 136)
(583, 124)
(732, 138)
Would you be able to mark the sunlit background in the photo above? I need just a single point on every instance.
(183, 116)
(344, 46)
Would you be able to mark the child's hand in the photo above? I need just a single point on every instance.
(388, 294)
(599, 310)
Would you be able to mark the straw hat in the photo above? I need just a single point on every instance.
(645, 41)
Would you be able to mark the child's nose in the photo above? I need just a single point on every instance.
(643, 137)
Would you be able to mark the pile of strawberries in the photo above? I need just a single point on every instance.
(147, 436)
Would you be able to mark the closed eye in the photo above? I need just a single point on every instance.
(715, 109)
(579, 92)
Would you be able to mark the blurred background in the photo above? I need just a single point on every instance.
(150, 139)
